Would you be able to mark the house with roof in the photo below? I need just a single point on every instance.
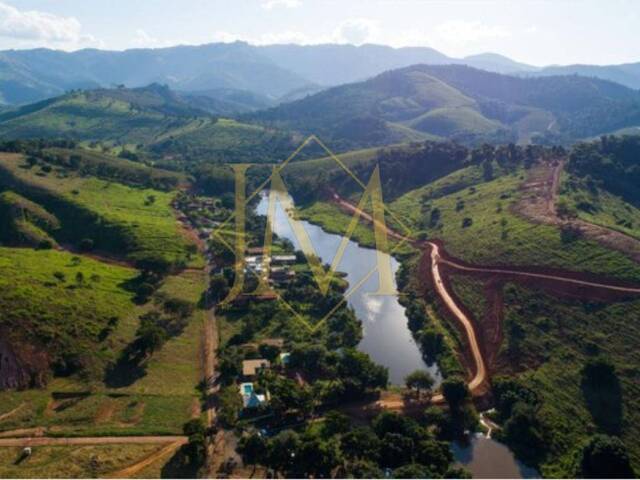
(251, 368)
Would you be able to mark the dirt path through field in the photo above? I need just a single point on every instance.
(150, 459)
(42, 441)
(538, 202)
(434, 254)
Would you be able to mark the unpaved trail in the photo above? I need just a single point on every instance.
(137, 467)
(44, 441)
(10, 413)
(543, 276)
(539, 195)
(480, 375)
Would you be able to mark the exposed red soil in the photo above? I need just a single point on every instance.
(539, 195)
(482, 338)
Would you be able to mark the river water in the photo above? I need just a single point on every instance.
(386, 336)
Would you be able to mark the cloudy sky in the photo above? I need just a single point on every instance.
(534, 31)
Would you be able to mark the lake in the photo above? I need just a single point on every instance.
(386, 336)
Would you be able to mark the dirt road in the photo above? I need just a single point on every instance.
(137, 467)
(41, 441)
(436, 261)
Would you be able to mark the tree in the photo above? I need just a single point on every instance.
(335, 423)
(605, 457)
(317, 458)
(253, 450)
(229, 405)
(195, 448)
(524, 432)
(282, 451)
(361, 442)
(419, 380)
(360, 469)
(412, 470)
(455, 392)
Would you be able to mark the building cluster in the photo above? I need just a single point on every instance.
(251, 369)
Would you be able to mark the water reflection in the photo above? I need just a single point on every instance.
(386, 338)
(487, 458)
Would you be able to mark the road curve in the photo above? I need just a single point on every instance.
(480, 374)
(480, 370)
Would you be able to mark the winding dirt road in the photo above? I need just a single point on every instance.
(436, 260)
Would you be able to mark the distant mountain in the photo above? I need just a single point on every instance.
(459, 102)
(274, 73)
(626, 74)
(333, 64)
(493, 62)
(31, 75)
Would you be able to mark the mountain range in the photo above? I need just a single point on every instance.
(253, 76)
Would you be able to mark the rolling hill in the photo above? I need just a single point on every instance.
(462, 103)
(153, 121)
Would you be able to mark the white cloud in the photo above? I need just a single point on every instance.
(271, 4)
(464, 32)
(356, 31)
(35, 28)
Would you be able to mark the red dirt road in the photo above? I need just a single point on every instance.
(437, 258)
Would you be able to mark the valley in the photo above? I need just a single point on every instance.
(317, 261)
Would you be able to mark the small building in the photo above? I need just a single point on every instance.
(250, 368)
(281, 274)
(255, 251)
(283, 259)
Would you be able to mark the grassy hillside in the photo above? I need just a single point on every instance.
(494, 234)
(154, 122)
(63, 303)
(134, 222)
(462, 103)
(389, 108)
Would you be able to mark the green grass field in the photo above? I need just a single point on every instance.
(141, 220)
(72, 316)
(601, 208)
(496, 235)
(78, 461)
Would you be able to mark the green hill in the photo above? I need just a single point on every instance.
(23, 222)
(132, 222)
(461, 103)
(151, 122)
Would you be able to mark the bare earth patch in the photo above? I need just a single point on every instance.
(538, 204)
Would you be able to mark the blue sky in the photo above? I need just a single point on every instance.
(538, 32)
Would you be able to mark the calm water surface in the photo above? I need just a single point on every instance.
(386, 336)
(487, 458)
(387, 339)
